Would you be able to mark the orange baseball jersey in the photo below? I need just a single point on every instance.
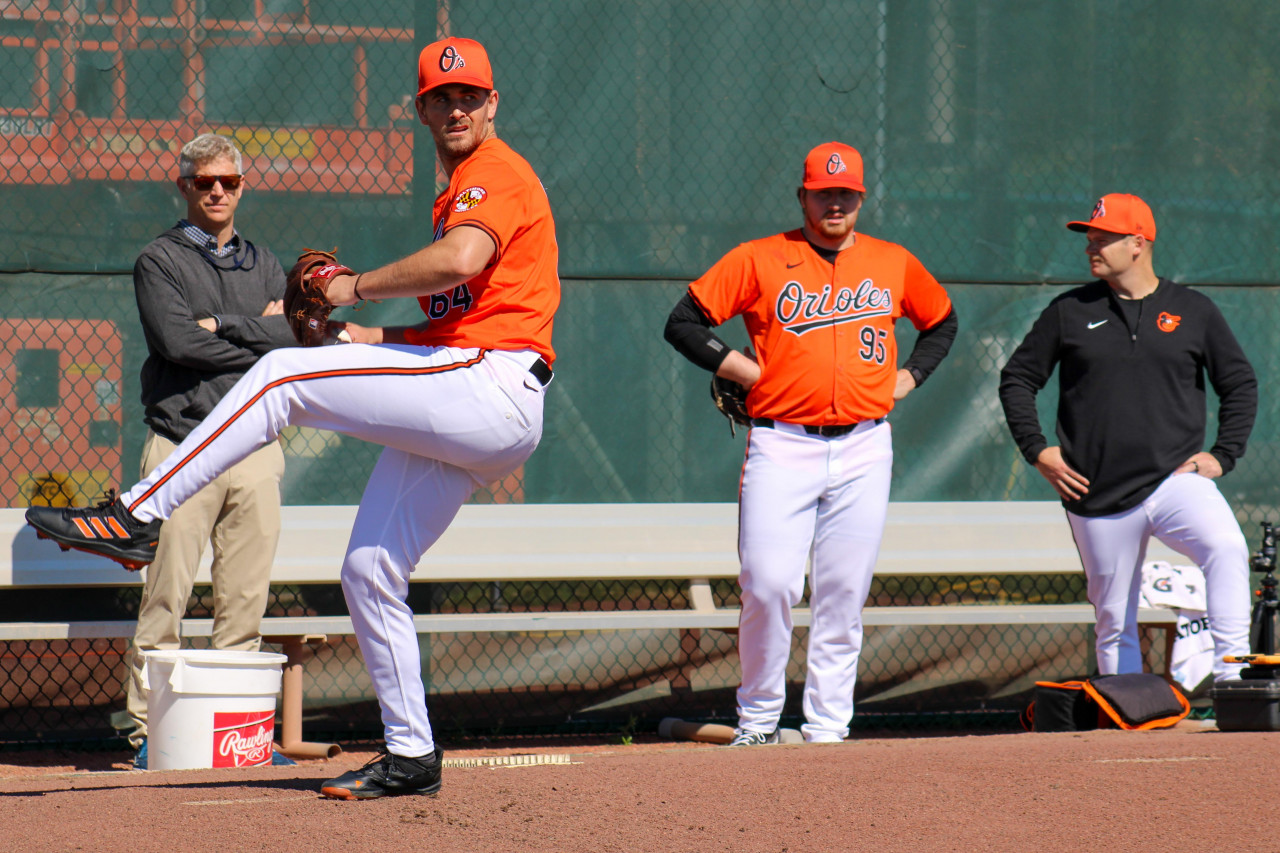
(822, 332)
(511, 304)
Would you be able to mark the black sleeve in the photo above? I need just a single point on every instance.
(1027, 371)
(689, 331)
(932, 346)
(1234, 382)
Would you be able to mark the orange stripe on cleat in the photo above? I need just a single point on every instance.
(117, 528)
(85, 530)
(100, 527)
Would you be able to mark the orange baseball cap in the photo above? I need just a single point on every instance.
(454, 60)
(833, 164)
(1120, 214)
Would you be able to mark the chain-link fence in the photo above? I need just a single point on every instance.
(484, 684)
(664, 133)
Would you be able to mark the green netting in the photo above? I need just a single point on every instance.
(628, 419)
(665, 133)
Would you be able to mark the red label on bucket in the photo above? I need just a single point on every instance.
(243, 739)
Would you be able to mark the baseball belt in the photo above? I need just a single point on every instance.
(541, 371)
(830, 431)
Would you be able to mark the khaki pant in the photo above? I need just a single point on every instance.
(239, 513)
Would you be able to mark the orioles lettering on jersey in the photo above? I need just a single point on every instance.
(801, 312)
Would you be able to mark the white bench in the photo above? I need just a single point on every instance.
(692, 543)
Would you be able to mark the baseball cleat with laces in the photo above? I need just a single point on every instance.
(107, 529)
(743, 737)
(388, 775)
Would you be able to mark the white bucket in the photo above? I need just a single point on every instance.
(210, 708)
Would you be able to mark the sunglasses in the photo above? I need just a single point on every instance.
(204, 183)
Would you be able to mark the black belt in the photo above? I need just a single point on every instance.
(833, 431)
(541, 371)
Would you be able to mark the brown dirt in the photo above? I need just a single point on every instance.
(1191, 788)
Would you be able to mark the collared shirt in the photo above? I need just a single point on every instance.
(199, 237)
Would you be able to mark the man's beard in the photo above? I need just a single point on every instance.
(832, 231)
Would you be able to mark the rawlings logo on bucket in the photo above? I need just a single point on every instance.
(243, 739)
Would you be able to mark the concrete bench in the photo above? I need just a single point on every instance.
(694, 544)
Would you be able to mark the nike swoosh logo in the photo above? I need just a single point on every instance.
(1097, 324)
(793, 266)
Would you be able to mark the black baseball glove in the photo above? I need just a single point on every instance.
(731, 399)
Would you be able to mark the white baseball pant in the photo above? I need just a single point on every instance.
(824, 500)
(1188, 514)
(450, 420)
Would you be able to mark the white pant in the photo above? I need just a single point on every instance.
(450, 420)
(1188, 514)
(824, 500)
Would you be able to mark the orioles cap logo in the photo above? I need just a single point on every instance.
(469, 198)
(835, 165)
(1167, 322)
(451, 60)
(1099, 210)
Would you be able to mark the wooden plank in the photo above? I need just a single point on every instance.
(601, 620)
(591, 541)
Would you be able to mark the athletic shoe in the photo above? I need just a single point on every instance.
(388, 775)
(108, 529)
(743, 737)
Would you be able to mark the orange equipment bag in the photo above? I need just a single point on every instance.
(1134, 701)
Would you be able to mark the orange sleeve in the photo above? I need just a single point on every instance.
(924, 301)
(729, 287)
(490, 196)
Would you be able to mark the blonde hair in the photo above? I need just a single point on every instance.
(206, 147)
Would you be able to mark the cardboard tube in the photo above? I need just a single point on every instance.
(291, 743)
(677, 729)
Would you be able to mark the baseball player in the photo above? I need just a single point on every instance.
(456, 401)
(1132, 351)
(819, 304)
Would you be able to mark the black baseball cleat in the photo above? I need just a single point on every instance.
(107, 529)
(388, 775)
(745, 737)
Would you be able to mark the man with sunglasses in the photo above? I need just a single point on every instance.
(456, 401)
(210, 305)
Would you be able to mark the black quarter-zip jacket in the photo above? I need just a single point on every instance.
(1131, 404)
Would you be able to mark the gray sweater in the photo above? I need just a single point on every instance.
(188, 370)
